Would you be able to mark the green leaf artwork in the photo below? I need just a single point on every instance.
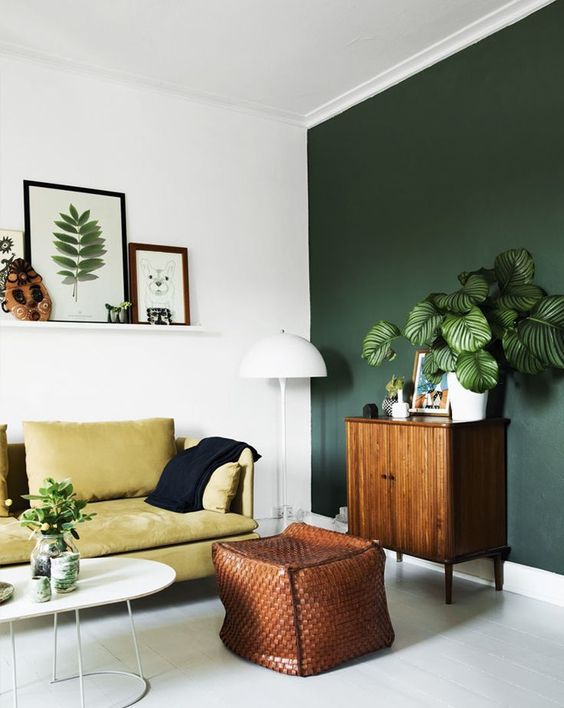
(80, 247)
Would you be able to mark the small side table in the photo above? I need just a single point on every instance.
(102, 581)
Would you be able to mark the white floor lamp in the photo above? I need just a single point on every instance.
(283, 356)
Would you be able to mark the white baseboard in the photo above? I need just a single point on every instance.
(521, 579)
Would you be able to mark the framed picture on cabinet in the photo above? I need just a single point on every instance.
(428, 398)
(75, 238)
(159, 284)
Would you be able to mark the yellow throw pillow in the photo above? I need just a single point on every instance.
(104, 460)
(3, 470)
(222, 488)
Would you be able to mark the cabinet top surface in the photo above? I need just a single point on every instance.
(426, 420)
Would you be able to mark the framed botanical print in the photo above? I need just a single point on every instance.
(76, 240)
(11, 247)
(428, 398)
(159, 284)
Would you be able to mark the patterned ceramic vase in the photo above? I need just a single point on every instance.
(387, 404)
(46, 548)
(64, 572)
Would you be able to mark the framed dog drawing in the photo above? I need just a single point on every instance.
(159, 279)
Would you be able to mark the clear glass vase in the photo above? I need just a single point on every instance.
(47, 547)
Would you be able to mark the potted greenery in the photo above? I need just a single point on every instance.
(394, 385)
(118, 313)
(53, 522)
(498, 319)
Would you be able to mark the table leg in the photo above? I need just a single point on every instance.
(498, 572)
(137, 655)
(55, 627)
(448, 583)
(14, 679)
(79, 649)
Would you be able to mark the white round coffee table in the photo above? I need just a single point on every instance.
(102, 581)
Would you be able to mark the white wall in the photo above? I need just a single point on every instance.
(228, 185)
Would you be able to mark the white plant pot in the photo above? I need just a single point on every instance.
(465, 404)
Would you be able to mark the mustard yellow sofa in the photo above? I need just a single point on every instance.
(131, 528)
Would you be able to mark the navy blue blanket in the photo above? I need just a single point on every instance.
(184, 478)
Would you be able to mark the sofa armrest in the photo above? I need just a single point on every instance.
(243, 503)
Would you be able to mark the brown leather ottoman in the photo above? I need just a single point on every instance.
(303, 601)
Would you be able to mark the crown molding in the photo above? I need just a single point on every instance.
(131, 80)
(468, 35)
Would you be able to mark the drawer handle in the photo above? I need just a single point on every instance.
(384, 476)
(392, 477)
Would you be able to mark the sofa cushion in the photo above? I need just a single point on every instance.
(123, 525)
(104, 460)
(3, 470)
(222, 488)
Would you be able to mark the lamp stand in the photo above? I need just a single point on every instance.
(283, 477)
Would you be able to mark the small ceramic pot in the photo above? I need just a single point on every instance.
(387, 404)
(400, 410)
(39, 588)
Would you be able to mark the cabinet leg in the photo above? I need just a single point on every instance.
(399, 556)
(498, 572)
(448, 583)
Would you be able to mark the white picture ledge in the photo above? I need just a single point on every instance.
(6, 323)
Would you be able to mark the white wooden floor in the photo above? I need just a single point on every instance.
(487, 649)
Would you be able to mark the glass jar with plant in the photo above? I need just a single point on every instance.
(53, 520)
(393, 387)
(498, 320)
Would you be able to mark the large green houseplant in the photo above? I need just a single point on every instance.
(498, 319)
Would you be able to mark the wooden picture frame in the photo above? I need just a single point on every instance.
(428, 398)
(159, 279)
(61, 222)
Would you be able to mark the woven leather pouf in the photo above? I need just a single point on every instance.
(304, 601)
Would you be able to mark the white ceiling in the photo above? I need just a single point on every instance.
(301, 60)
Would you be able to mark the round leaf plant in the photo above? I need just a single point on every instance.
(497, 319)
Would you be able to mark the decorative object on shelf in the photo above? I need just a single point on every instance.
(394, 385)
(159, 280)
(6, 591)
(39, 589)
(498, 320)
(159, 316)
(400, 409)
(77, 238)
(370, 410)
(429, 397)
(283, 356)
(64, 571)
(118, 313)
(25, 294)
(11, 247)
(53, 519)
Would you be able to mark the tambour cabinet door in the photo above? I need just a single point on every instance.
(368, 486)
(418, 468)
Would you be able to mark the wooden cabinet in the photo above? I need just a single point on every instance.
(430, 487)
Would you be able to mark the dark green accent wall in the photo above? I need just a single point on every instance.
(434, 176)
